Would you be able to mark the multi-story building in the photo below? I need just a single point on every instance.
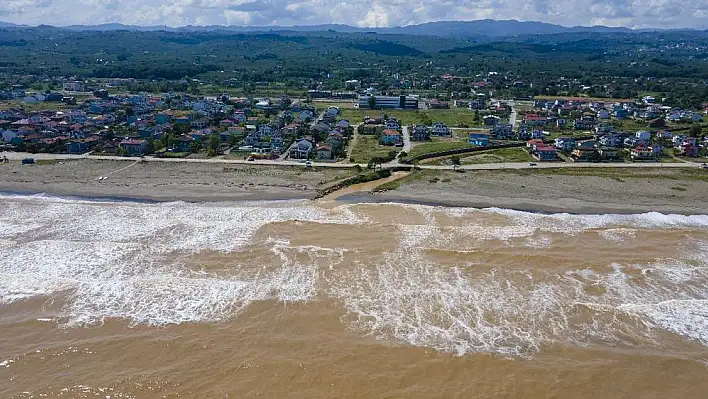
(381, 102)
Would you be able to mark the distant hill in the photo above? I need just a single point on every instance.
(492, 28)
(453, 29)
(9, 25)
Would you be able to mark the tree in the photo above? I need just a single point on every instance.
(195, 146)
(372, 102)
(455, 162)
(476, 115)
(233, 140)
(695, 131)
(169, 140)
(657, 123)
(214, 143)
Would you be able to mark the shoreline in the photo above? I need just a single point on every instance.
(370, 198)
(154, 199)
(523, 205)
(675, 191)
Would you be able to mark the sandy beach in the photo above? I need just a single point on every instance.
(167, 181)
(679, 191)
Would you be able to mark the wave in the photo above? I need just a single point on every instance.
(128, 260)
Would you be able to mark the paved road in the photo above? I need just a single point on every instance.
(512, 115)
(407, 145)
(15, 156)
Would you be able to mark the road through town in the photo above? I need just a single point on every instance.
(16, 156)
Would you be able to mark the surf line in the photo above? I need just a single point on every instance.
(121, 169)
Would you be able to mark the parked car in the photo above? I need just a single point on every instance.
(28, 161)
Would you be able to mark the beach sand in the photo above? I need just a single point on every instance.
(191, 182)
(681, 191)
(616, 190)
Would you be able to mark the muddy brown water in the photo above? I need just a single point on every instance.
(321, 300)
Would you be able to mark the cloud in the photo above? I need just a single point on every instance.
(364, 13)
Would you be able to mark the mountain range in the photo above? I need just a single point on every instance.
(458, 29)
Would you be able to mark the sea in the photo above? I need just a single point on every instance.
(306, 299)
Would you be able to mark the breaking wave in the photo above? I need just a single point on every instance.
(436, 284)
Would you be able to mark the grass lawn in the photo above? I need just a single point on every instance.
(425, 148)
(618, 173)
(630, 125)
(237, 154)
(323, 105)
(175, 154)
(368, 147)
(499, 155)
(45, 106)
(354, 115)
(584, 98)
(45, 161)
(455, 117)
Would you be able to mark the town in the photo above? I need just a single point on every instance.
(361, 126)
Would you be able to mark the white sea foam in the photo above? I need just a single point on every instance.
(406, 297)
(124, 260)
(618, 235)
(110, 258)
(573, 222)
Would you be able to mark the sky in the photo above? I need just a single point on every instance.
(363, 13)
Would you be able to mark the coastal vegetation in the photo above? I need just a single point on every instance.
(670, 65)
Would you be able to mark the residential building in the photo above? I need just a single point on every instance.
(324, 152)
(76, 147)
(643, 153)
(74, 86)
(643, 136)
(477, 103)
(301, 150)
(134, 147)
(688, 149)
(584, 155)
(478, 139)
(583, 124)
(368, 129)
(437, 104)
(545, 153)
(441, 130)
(392, 123)
(535, 120)
(420, 133)
(391, 137)
(502, 132)
(491, 120)
(609, 154)
(181, 143)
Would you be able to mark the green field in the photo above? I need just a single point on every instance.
(455, 117)
(368, 147)
(45, 106)
(425, 148)
(499, 155)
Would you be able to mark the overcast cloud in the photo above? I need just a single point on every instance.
(364, 13)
